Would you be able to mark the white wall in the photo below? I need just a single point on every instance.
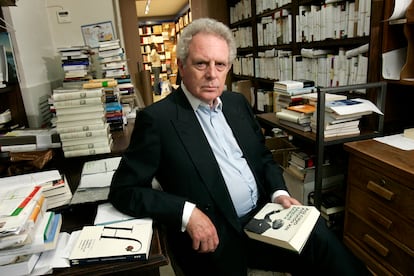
(36, 37)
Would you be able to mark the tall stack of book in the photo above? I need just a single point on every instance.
(76, 64)
(113, 109)
(112, 59)
(300, 175)
(80, 121)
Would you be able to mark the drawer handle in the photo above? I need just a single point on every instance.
(378, 247)
(379, 190)
(380, 219)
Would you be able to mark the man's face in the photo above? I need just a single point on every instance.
(205, 70)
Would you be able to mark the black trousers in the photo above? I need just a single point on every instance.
(324, 254)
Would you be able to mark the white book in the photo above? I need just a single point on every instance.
(288, 228)
(78, 102)
(79, 117)
(78, 123)
(98, 108)
(93, 151)
(77, 128)
(127, 241)
(103, 132)
(72, 94)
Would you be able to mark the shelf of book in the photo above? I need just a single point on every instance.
(373, 126)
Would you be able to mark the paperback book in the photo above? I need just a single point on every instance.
(288, 228)
(124, 241)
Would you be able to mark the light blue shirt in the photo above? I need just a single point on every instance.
(234, 168)
(236, 173)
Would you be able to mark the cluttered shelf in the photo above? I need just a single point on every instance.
(269, 119)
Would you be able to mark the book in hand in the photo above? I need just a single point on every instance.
(287, 228)
(124, 241)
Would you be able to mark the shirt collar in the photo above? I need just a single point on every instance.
(195, 102)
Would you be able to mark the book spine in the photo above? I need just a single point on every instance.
(84, 146)
(18, 148)
(79, 117)
(74, 110)
(80, 128)
(81, 94)
(78, 102)
(75, 153)
(84, 134)
(135, 257)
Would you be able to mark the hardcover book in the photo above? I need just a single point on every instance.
(124, 241)
(288, 228)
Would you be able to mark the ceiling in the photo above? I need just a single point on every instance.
(160, 8)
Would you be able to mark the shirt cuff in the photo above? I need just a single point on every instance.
(187, 211)
(279, 193)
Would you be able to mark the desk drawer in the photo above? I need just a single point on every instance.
(380, 216)
(380, 248)
(383, 186)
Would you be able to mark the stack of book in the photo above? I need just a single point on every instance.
(111, 57)
(80, 121)
(294, 87)
(113, 109)
(76, 64)
(296, 116)
(300, 175)
(342, 117)
(332, 207)
(55, 187)
(27, 229)
(127, 99)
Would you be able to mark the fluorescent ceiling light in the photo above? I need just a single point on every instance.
(147, 6)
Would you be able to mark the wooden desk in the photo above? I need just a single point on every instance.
(76, 216)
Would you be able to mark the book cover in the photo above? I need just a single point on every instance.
(303, 108)
(124, 241)
(293, 116)
(288, 84)
(288, 228)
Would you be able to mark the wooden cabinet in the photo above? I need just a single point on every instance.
(379, 216)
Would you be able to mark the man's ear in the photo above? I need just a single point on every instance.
(180, 67)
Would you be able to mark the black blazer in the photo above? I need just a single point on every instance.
(168, 143)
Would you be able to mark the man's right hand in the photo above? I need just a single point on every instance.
(202, 231)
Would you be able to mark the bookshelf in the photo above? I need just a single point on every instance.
(280, 40)
(164, 35)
